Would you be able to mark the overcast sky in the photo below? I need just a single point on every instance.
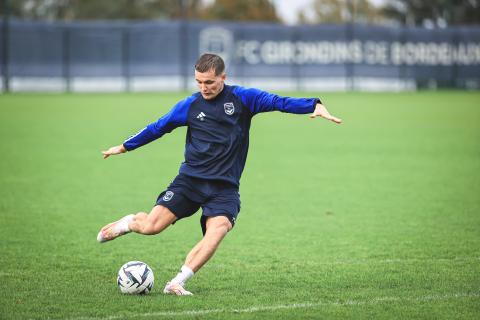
(288, 9)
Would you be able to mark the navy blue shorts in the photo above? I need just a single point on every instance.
(185, 195)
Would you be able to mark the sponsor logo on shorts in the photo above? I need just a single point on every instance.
(229, 108)
(168, 196)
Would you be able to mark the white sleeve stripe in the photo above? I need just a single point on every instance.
(133, 136)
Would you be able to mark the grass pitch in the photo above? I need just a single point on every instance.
(376, 218)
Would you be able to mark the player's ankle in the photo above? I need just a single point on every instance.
(183, 276)
(124, 224)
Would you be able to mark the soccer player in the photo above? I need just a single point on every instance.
(218, 120)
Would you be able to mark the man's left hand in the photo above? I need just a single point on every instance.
(321, 111)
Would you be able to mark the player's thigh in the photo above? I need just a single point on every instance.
(161, 217)
(179, 199)
(220, 211)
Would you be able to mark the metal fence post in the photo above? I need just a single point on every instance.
(349, 32)
(453, 78)
(294, 63)
(126, 57)
(184, 53)
(5, 45)
(349, 72)
(66, 57)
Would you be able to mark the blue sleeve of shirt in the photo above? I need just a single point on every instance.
(260, 101)
(173, 119)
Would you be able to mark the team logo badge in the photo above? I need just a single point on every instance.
(217, 40)
(229, 108)
(168, 196)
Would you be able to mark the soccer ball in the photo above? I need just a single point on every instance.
(135, 277)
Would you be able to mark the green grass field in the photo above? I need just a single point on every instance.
(376, 218)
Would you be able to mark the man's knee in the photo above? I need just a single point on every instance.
(150, 225)
(156, 221)
(140, 216)
(218, 224)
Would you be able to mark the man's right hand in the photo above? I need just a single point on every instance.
(114, 150)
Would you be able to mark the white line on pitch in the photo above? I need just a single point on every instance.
(305, 305)
(364, 262)
(407, 260)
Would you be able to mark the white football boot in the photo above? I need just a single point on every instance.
(115, 229)
(177, 289)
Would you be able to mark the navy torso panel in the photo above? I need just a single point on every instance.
(217, 138)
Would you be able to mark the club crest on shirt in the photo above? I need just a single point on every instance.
(168, 196)
(229, 108)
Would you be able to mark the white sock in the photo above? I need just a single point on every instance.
(182, 277)
(122, 225)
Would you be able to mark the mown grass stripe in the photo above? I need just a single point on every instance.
(305, 305)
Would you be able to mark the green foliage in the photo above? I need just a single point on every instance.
(103, 10)
(375, 218)
(411, 12)
(340, 11)
(439, 13)
(436, 13)
(255, 10)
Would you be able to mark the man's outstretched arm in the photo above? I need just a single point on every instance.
(321, 111)
(114, 150)
(176, 117)
(261, 101)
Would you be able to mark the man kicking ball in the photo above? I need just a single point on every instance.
(218, 120)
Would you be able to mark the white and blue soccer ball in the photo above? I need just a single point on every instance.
(135, 277)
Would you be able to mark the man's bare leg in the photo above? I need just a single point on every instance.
(155, 222)
(217, 229)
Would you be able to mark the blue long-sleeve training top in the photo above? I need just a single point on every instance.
(217, 139)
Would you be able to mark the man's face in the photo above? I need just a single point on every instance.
(209, 84)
